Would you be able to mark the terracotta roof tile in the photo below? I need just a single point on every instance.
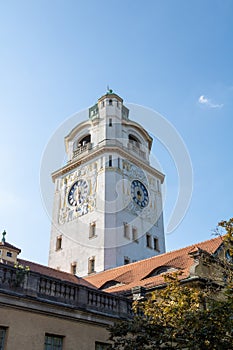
(8, 245)
(138, 273)
(48, 271)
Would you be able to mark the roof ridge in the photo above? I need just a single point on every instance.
(192, 245)
(154, 257)
(50, 268)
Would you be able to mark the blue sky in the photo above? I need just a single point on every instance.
(57, 57)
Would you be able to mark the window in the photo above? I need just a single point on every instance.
(110, 161)
(58, 242)
(53, 342)
(74, 268)
(148, 240)
(0, 252)
(156, 244)
(110, 102)
(91, 264)
(102, 104)
(86, 139)
(101, 346)
(135, 234)
(110, 122)
(126, 260)
(9, 254)
(126, 230)
(119, 163)
(2, 337)
(133, 140)
(92, 230)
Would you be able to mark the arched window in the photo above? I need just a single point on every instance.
(86, 139)
(134, 140)
(110, 102)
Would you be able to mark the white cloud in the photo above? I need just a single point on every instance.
(208, 103)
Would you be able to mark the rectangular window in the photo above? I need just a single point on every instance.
(126, 260)
(9, 254)
(110, 122)
(92, 230)
(135, 234)
(126, 230)
(53, 342)
(74, 268)
(58, 242)
(156, 244)
(91, 265)
(148, 240)
(119, 163)
(110, 161)
(2, 337)
(101, 346)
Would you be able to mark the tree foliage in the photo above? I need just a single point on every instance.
(180, 316)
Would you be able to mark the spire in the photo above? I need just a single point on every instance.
(3, 236)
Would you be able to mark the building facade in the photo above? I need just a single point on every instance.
(42, 308)
(107, 202)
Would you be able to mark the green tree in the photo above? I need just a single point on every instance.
(181, 316)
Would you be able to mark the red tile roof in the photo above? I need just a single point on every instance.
(8, 245)
(143, 273)
(61, 275)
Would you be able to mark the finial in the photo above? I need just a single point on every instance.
(3, 236)
(110, 91)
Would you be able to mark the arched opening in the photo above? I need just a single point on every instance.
(134, 140)
(82, 145)
(86, 139)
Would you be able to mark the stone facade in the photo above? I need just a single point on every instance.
(35, 306)
(108, 202)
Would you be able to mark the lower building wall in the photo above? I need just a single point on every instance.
(26, 330)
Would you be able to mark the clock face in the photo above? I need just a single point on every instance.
(139, 193)
(78, 192)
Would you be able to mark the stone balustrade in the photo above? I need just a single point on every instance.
(29, 284)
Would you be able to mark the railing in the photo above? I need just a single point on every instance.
(82, 149)
(132, 146)
(49, 289)
(136, 147)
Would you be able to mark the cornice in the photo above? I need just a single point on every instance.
(133, 158)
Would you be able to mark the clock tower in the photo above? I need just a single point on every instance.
(107, 203)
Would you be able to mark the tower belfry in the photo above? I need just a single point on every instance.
(107, 202)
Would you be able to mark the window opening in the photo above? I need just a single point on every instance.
(53, 342)
(2, 337)
(126, 260)
(135, 234)
(156, 244)
(148, 240)
(110, 161)
(74, 268)
(91, 265)
(59, 243)
(92, 230)
(126, 230)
